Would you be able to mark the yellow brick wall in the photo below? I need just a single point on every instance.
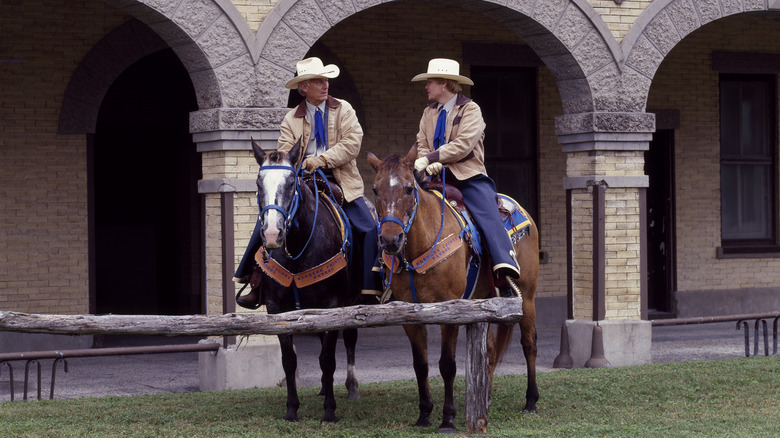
(619, 18)
(552, 196)
(254, 11)
(621, 235)
(582, 253)
(43, 175)
(622, 275)
(687, 82)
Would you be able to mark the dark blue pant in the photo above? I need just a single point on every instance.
(479, 193)
(365, 248)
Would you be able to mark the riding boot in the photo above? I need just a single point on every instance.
(254, 298)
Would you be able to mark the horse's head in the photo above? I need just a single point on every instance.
(396, 194)
(277, 193)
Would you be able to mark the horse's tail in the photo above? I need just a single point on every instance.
(503, 339)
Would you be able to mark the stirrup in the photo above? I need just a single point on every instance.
(513, 286)
(251, 306)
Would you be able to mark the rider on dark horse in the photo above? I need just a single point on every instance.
(328, 130)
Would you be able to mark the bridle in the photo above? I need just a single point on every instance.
(405, 227)
(288, 215)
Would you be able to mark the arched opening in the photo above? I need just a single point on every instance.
(146, 226)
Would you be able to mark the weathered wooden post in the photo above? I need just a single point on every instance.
(477, 378)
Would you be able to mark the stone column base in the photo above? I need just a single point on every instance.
(626, 342)
(255, 363)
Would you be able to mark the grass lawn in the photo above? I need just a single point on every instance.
(735, 398)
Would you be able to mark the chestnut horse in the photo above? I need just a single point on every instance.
(409, 228)
(300, 233)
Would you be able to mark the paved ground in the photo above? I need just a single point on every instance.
(383, 354)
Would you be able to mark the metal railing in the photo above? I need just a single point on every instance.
(742, 320)
(33, 357)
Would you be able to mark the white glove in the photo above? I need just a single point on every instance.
(434, 168)
(420, 164)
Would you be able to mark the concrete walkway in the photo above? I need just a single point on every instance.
(383, 354)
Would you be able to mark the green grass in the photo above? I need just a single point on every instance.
(736, 397)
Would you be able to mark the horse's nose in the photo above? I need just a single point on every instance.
(271, 237)
(391, 244)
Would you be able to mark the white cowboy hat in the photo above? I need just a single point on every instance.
(445, 69)
(311, 68)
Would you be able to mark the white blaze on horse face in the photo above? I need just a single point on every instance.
(273, 185)
(394, 183)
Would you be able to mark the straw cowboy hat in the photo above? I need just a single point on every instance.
(445, 69)
(311, 68)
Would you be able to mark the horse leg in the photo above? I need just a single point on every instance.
(418, 337)
(328, 367)
(350, 340)
(528, 340)
(448, 368)
(321, 335)
(290, 364)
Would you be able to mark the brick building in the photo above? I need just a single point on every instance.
(642, 136)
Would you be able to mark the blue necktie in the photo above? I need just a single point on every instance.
(438, 134)
(319, 130)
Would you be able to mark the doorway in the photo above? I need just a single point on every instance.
(507, 97)
(146, 215)
(661, 272)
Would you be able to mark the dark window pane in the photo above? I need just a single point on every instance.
(747, 159)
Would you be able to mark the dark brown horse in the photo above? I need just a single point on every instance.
(415, 217)
(300, 234)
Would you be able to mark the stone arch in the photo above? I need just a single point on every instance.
(118, 50)
(210, 37)
(568, 35)
(666, 22)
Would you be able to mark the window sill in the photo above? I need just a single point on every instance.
(748, 252)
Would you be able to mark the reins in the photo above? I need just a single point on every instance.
(405, 227)
(290, 218)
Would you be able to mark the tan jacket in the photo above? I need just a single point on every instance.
(464, 152)
(344, 138)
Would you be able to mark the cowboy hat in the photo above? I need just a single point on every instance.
(445, 69)
(311, 68)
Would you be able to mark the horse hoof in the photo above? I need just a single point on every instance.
(291, 418)
(329, 419)
(353, 395)
(422, 423)
(446, 429)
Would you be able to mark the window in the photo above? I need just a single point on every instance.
(747, 162)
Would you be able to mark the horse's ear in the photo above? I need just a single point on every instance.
(373, 161)
(411, 156)
(294, 152)
(259, 153)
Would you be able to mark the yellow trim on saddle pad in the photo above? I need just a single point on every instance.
(518, 227)
(452, 209)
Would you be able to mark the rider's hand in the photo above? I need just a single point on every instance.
(420, 164)
(434, 168)
(313, 163)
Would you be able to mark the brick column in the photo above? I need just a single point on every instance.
(605, 185)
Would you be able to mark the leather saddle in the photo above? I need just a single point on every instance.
(318, 184)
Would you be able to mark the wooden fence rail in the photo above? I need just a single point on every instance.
(475, 314)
